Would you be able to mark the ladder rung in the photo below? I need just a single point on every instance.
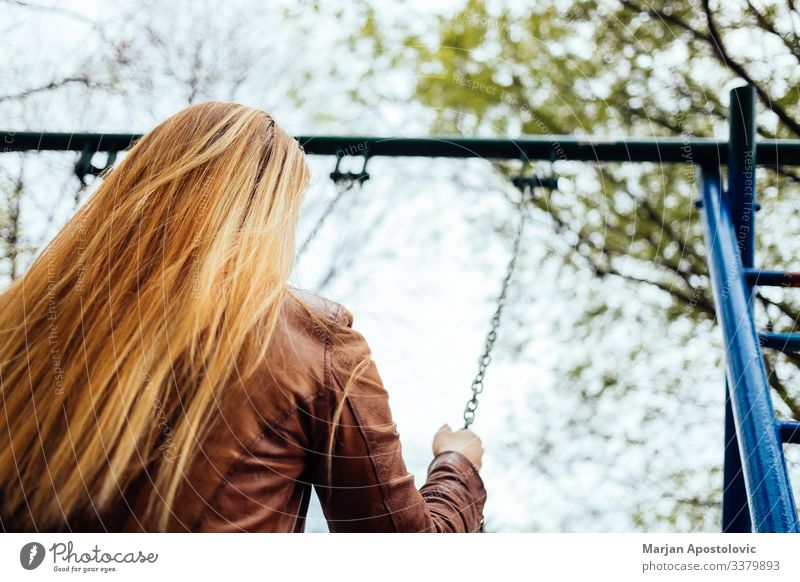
(784, 342)
(790, 432)
(771, 278)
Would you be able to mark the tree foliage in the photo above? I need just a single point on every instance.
(626, 68)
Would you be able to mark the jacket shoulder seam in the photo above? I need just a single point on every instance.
(372, 463)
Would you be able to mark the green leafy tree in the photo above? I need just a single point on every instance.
(625, 68)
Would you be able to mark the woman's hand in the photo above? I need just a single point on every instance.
(462, 441)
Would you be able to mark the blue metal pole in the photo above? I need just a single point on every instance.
(741, 154)
(790, 431)
(771, 278)
(742, 169)
(735, 509)
(771, 503)
(784, 342)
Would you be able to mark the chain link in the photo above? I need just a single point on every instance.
(491, 337)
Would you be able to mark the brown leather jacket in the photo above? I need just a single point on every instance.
(257, 465)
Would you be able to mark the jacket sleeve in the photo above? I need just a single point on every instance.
(363, 485)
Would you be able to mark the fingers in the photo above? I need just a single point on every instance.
(446, 429)
(469, 432)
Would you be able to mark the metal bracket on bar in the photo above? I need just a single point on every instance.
(84, 166)
(350, 178)
(527, 185)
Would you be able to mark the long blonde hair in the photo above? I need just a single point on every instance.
(163, 287)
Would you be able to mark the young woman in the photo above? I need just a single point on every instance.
(157, 374)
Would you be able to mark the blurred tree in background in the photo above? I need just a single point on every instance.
(628, 434)
(626, 68)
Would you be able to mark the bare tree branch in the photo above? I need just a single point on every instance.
(769, 25)
(714, 39)
(697, 298)
(57, 84)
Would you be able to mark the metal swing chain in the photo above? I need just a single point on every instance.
(344, 182)
(341, 189)
(491, 337)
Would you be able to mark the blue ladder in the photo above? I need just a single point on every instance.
(757, 494)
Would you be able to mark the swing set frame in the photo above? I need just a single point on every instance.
(757, 494)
